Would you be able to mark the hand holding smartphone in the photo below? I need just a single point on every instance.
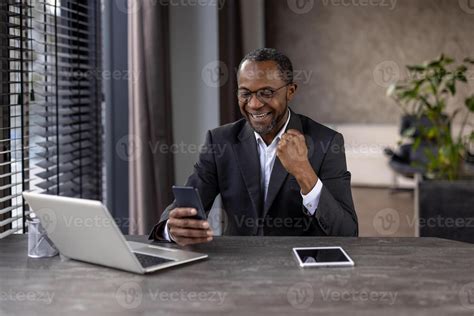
(189, 197)
(187, 223)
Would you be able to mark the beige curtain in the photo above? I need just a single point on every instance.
(151, 167)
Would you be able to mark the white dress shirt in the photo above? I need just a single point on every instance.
(267, 155)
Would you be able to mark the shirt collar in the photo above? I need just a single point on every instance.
(280, 133)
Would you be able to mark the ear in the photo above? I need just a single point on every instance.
(291, 91)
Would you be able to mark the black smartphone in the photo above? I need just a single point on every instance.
(189, 197)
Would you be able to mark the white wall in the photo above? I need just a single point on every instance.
(194, 43)
(194, 50)
(253, 24)
(364, 146)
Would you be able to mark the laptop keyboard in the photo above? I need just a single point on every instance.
(148, 261)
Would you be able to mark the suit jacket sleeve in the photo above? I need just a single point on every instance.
(204, 178)
(335, 213)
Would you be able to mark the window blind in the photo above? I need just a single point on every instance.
(53, 100)
(15, 73)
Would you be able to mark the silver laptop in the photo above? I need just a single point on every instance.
(84, 230)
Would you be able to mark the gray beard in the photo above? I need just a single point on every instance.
(267, 129)
(264, 130)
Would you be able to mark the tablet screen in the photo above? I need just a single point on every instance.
(321, 255)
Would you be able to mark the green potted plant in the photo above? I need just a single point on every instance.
(445, 188)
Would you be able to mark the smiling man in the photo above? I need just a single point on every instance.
(278, 172)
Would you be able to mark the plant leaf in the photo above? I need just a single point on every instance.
(469, 60)
(448, 60)
(462, 78)
(470, 103)
(461, 68)
(432, 132)
(455, 113)
(409, 132)
(451, 86)
(425, 101)
(391, 90)
(417, 68)
(416, 144)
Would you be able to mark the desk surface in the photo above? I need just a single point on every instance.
(251, 275)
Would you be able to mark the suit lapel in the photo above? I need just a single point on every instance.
(249, 164)
(279, 173)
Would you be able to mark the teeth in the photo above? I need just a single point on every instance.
(260, 115)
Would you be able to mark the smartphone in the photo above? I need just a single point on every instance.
(189, 197)
(322, 257)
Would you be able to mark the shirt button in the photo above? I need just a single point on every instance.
(309, 205)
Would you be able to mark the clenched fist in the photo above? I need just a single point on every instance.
(293, 154)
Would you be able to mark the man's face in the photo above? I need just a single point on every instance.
(267, 115)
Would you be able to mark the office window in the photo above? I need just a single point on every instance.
(51, 136)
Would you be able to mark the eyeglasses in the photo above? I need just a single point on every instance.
(264, 95)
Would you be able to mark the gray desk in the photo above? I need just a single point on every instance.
(250, 276)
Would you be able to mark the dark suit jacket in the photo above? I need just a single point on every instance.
(229, 164)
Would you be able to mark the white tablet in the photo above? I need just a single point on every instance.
(322, 257)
